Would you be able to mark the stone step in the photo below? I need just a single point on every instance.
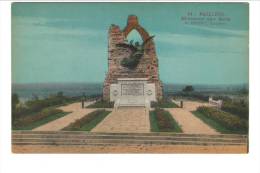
(185, 138)
(136, 134)
(241, 140)
(121, 142)
(79, 138)
(116, 140)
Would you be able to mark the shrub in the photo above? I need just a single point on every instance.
(101, 104)
(237, 108)
(226, 119)
(188, 88)
(15, 101)
(36, 105)
(26, 120)
(192, 95)
(166, 102)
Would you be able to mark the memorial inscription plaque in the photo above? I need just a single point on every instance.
(132, 89)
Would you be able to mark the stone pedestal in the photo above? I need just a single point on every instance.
(132, 92)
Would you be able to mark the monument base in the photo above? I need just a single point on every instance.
(132, 92)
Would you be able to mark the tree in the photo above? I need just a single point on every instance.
(15, 101)
(188, 88)
(60, 94)
(35, 97)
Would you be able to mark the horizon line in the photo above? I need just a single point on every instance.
(167, 83)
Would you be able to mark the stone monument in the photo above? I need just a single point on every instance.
(132, 78)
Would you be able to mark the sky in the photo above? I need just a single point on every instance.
(67, 42)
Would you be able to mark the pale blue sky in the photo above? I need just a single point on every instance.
(67, 42)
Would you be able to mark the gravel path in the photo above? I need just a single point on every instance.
(76, 113)
(125, 119)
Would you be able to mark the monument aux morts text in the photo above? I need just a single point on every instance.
(132, 78)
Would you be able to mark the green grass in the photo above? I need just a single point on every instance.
(101, 104)
(88, 122)
(217, 126)
(240, 109)
(162, 121)
(153, 122)
(41, 122)
(164, 103)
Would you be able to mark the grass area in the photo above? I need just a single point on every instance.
(153, 122)
(240, 109)
(212, 123)
(88, 122)
(29, 123)
(162, 121)
(164, 103)
(223, 122)
(101, 104)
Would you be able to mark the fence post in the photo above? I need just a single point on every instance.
(82, 103)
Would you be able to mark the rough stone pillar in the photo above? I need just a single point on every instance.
(147, 67)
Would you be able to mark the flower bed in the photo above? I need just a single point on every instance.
(162, 121)
(237, 108)
(34, 120)
(88, 122)
(227, 120)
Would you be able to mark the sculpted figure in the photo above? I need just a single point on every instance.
(137, 52)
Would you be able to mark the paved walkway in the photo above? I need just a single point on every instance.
(125, 119)
(131, 119)
(192, 105)
(190, 123)
(76, 113)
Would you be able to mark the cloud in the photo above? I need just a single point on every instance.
(221, 31)
(194, 42)
(32, 27)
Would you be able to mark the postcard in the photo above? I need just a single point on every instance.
(140, 77)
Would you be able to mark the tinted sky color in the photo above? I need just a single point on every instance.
(67, 42)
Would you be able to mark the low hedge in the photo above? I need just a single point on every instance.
(101, 104)
(226, 119)
(237, 108)
(88, 122)
(37, 105)
(162, 121)
(33, 120)
(164, 103)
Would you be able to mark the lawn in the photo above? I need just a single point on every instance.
(164, 103)
(240, 109)
(101, 104)
(88, 122)
(212, 123)
(25, 124)
(223, 122)
(162, 121)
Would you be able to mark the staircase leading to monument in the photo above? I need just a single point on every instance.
(87, 138)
